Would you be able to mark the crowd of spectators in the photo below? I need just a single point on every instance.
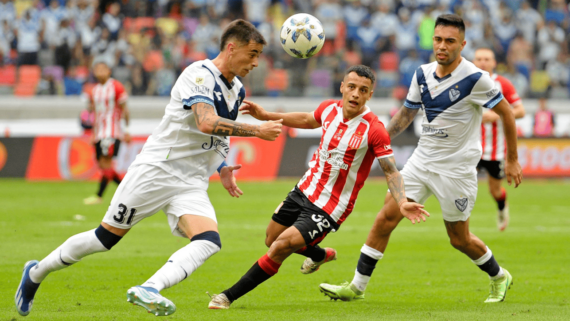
(150, 42)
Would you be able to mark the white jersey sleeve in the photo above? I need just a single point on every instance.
(196, 86)
(486, 93)
(414, 98)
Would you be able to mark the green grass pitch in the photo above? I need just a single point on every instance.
(421, 276)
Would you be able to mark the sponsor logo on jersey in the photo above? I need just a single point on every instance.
(461, 203)
(355, 140)
(199, 80)
(333, 157)
(386, 147)
(218, 94)
(202, 90)
(492, 93)
(338, 135)
(219, 146)
(436, 132)
(326, 125)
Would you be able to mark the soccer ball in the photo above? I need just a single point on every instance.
(302, 36)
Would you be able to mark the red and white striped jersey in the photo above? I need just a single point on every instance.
(107, 98)
(492, 135)
(341, 164)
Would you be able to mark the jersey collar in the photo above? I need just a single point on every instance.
(450, 74)
(210, 66)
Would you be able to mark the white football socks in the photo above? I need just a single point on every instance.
(71, 251)
(360, 281)
(181, 264)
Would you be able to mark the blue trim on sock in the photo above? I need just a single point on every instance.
(211, 236)
(107, 238)
(366, 265)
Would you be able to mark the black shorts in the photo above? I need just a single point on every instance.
(496, 169)
(107, 147)
(313, 223)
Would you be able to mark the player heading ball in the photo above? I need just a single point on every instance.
(171, 173)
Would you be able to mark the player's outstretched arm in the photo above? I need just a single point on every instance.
(210, 123)
(513, 170)
(401, 121)
(295, 120)
(411, 210)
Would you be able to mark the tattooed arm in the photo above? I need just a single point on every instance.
(409, 209)
(210, 123)
(401, 121)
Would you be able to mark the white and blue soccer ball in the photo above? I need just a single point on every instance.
(302, 36)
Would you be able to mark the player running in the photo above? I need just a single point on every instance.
(492, 137)
(109, 102)
(171, 173)
(352, 137)
(452, 92)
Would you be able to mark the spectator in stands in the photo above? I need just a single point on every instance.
(505, 31)
(329, 13)
(521, 55)
(528, 21)
(51, 17)
(138, 84)
(354, 15)
(550, 39)
(368, 39)
(408, 67)
(558, 72)
(520, 81)
(543, 120)
(64, 41)
(557, 12)
(29, 35)
(112, 20)
(386, 22)
(89, 33)
(105, 47)
(7, 12)
(6, 37)
(406, 31)
(425, 33)
(256, 10)
(82, 14)
(205, 37)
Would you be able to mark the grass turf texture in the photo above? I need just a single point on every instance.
(421, 276)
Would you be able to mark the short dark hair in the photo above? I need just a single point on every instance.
(362, 71)
(243, 31)
(450, 20)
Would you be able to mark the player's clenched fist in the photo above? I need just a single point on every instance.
(270, 130)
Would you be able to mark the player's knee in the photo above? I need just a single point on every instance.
(459, 243)
(106, 238)
(281, 246)
(210, 236)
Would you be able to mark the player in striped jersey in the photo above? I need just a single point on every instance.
(109, 102)
(452, 93)
(352, 138)
(492, 137)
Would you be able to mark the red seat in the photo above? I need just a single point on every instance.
(389, 61)
(277, 80)
(8, 75)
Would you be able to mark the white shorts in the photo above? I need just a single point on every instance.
(456, 196)
(147, 189)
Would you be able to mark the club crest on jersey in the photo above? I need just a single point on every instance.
(454, 94)
(461, 203)
(355, 140)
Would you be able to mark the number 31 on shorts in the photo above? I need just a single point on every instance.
(121, 215)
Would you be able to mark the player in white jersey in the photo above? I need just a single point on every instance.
(108, 100)
(492, 138)
(172, 171)
(452, 93)
(352, 138)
